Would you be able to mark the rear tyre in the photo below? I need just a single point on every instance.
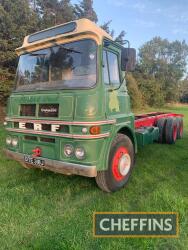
(171, 130)
(161, 123)
(180, 128)
(120, 163)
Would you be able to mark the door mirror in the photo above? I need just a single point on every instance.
(128, 59)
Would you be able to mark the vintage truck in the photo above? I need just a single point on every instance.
(70, 110)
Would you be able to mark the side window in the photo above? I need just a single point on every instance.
(113, 68)
(105, 68)
(110, 68)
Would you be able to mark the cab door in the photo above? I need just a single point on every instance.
(115, 95)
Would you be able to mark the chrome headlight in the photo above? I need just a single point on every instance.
(8, 140)
(15, 142)
(80, 153)
(68, 150)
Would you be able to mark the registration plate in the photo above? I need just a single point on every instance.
(34, 161)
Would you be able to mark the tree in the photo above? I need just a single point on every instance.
(16, 21)
(134, 92)
(6, 83)
(54, 12)
(119, 38)
(85, 10)
(165, 62)
(106, 26)
(184, 91)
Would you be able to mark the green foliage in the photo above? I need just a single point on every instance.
(85, 10)
(165, 63)
(120, 38)
(106, 26)
(150, 88)
(184, 91)
(151, 91)
(52, 12)
(6, 84)
(134, 92)
(16, 21)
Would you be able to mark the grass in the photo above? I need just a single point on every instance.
(43, 210)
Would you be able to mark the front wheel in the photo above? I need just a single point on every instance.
(120, 163)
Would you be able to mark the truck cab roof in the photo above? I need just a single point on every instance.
(71, 31)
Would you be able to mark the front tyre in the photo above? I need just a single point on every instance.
(120, 163)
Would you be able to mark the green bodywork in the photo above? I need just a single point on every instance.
(147, 135)
(101, 103)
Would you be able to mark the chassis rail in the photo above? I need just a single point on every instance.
(150, 119)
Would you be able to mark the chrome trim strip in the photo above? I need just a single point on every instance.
(57, 166)
(59, 122)
(74, 136)
(123, 123)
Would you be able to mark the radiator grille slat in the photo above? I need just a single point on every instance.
(28, 110)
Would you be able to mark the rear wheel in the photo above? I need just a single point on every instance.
(171, 130)
(161, 123)
(120, 164)
(180, 128)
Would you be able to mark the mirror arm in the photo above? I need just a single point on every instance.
(124, 42)
(119, 85)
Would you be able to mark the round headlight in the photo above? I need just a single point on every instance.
(5, 123)
(80, 153)
(15, 142)
(68, 150)
(8, 140)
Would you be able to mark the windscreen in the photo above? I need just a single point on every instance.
(71, 65)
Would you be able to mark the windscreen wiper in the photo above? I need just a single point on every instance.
(40, 55)
(71, 50)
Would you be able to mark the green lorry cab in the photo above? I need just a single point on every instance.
(70, 110)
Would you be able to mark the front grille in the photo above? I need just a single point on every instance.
(48, 110)
(42, 139)
(30, 138)
(45, 139)
(27, 109)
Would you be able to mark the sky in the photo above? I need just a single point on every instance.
(144, 19)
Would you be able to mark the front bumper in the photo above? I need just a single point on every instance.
(58, 166)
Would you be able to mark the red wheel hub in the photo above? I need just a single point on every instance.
(121, 163)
